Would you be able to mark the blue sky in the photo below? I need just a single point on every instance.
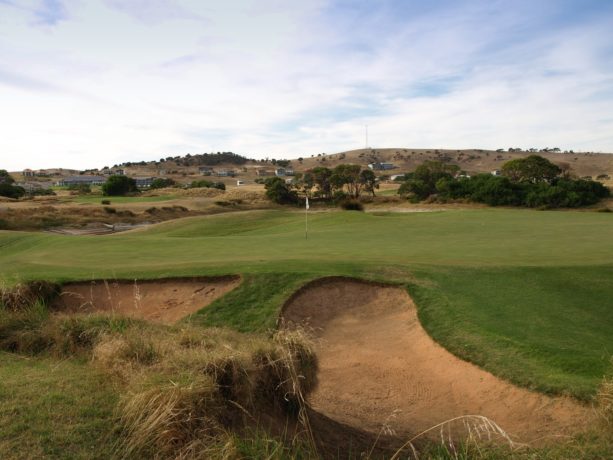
(88, 83)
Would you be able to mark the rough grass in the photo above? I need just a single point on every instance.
(184, 388)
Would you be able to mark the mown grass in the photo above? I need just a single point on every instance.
(546, 328)
(54, 409)
(254, 305)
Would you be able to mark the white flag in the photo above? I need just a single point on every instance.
(307, 202)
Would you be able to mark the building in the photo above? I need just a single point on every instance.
(280, 172)
(28, 173)
(82, 180)
(205, 170)
(225, 173)
(144, 182)
(381, 166)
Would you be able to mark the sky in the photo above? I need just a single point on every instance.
(91, 83)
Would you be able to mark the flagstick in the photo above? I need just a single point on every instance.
(306, 223)
(306, 219)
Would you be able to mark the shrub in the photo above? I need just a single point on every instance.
(110, 210)
(280, 192)
(105, 202)
(352, 205)
(80, 188)
(162, 183)
(119, 186)
(11, 191)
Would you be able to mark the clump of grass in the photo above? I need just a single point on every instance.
(23, 295)
(166, 421)
(190, 385)
(605, 402)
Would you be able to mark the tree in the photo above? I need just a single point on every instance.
(369, 181)
(119, 186)
(5, 177)
(280, 192)
(422, 182)
(321, 177)
(349, 175)
(533, 168)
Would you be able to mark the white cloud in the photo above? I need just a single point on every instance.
(124, 81)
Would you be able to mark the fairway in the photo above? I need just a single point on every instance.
(524, 294)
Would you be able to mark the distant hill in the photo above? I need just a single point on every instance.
(472, 161)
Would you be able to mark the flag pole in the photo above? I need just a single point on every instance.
(306, 219)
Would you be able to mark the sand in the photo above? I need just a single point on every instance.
(378, 366)
(161, 301)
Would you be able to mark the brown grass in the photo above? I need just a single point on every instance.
(605, 403)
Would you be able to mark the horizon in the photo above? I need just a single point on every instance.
(88, 84)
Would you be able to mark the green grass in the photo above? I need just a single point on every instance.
(546, 328)
(254, 305)
(54, 409)
(525, 294)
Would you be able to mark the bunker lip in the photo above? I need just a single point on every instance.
(378, 366)
(165, 300)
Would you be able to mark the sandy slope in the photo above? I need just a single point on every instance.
(376, 360)
(162, 301)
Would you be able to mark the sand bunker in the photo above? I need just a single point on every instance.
(375, 359)
(161, 301)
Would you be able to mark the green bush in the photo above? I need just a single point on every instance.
(280, 192)
(119, 186)
(162, 183)
(352, 205)
(11, 191)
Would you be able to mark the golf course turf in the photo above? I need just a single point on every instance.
(526, 295)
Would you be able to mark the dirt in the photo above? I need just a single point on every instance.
(378, 367)
(160, 301)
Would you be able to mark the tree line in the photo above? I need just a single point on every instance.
(532, 182)
(345, 181)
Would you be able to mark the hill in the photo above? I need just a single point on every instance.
(185, 169)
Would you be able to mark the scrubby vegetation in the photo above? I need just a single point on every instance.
(207, 184)
(531, 182)
(186, 391)
(162, 183)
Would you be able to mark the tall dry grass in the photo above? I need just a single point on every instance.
(191, 385)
